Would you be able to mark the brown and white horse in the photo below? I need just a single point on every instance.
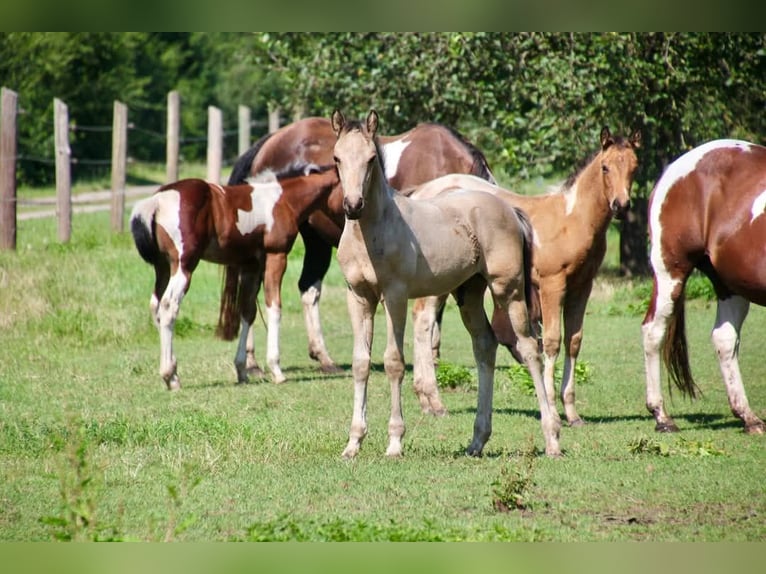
(411, 158)
(570, 228)
(394, 248)
(708, 212)
(193, 220)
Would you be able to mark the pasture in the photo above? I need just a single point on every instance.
(92, 446)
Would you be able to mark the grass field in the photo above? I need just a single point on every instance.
(92, 446)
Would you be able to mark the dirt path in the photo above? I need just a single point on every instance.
(87, 202)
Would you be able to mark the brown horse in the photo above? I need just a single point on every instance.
(394, 249)
(193, 220)
(416, 156)
(708, 212)
(570, 228)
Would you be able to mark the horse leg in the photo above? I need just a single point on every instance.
(249, 282)
(316, 262)
(665, 294)
(574, 313)
(276, 263)
(424, 321)
(361, 312)
(395, 304)
(551, 301)
(166, 314)
(436, 332)
(484, 346)
(251, 363)
(730, 315)
(528, 350)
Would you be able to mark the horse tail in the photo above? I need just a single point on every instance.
(142, 226)
(242, 167)
(675, 350)
(531, 295)
(229, 312)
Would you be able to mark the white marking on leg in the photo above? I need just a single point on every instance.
(274, 315)
(392, 155)
(167, 314)
(263, 197)
(759, 206)
(317, 348)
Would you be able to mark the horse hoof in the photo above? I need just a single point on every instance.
(755, 428)
(578, 422)
(331, 369)
(666, 427)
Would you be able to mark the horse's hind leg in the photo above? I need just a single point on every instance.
(527, 347)
(730, 315)
(574, 313)
(666, 292)
(424, 321)
(166, 313)
(249, 283)
(471, 305)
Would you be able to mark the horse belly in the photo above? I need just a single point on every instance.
(740, 262)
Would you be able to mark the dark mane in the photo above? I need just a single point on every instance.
(480, 166)
(241, 170)
(302, 169)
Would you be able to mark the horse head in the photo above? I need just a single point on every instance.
(355, 154)
(617, 163)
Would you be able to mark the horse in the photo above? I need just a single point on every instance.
(192, 220)
(418, 155)
(394, 248)
(707, 211)
(570, 226)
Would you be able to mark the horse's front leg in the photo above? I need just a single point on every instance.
(424, 322)
(395, 303)
(166, 313)
(276, 263)
(729, 317)
(551, 301)
(361, 312)
(574, 314)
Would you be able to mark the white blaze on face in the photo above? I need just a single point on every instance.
(168, 218)
(759, 206)
(264, 196)
(392, 154)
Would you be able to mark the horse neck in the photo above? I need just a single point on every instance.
(591, 204)
(303, 193)
(379, 197)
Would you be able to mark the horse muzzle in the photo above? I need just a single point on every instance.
(353, 209)
(619, 208)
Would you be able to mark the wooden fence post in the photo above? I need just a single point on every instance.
(8, 109)
(244, 129)
(119, 164)
(174, 128)
(273, 119)
(214, 144)
(63, 169)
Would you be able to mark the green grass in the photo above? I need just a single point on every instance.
(92, 446)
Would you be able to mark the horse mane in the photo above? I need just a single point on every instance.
(480, 165)
(618, 141)
(241, 169)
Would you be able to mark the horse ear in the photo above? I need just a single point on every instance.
(635, 139)
(338, 121)
(606, 138)
(372, 123)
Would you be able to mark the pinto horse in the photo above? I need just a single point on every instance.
(707, 212)
(193, 220)
(570, 228)
(394, 248)
(416, 156)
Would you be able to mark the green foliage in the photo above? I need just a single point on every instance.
(522, 381)
(511, 491)
(451, 376)
(681, 447)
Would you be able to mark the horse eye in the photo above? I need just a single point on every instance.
(335, 159)
(604, 169)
